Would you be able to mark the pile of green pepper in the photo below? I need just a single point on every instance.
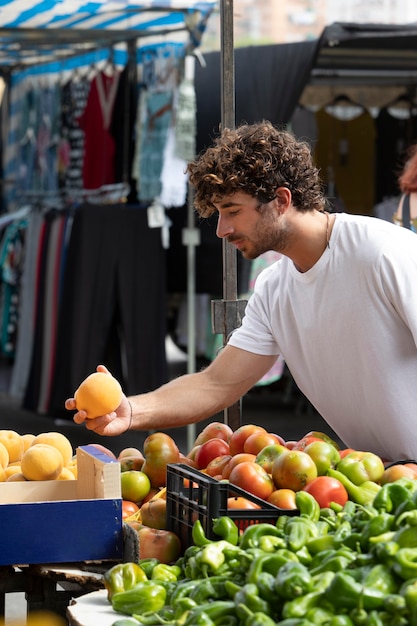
(332, 567)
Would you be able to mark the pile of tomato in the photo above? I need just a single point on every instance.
(267, 466)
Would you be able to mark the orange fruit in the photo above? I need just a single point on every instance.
(99, 394)
(14, 444)
(18, 477)
(58, 441)
(27, 440)
(4, 456)
(66, 474)
(3, 476)
(42, 462)
(12, 469)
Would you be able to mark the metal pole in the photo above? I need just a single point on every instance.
(227, 313)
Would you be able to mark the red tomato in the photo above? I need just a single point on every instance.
(293, 470)
(209, 450)
(187, 461)
(394, 472)
(412, 466)
(343, 453)
(256, 442)
(237, 440)
(326, 489)
(154, 513)
(302, 443)
(239, 502)
(284, 498)
(129, 508)
(159, 449)
(163, 545)
(253, 478)
(290, 444)
(214, 430)
(235, 460)
(216, 465)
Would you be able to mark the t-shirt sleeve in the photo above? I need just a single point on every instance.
(254, 334)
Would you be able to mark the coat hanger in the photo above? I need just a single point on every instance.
(402, 106)
(343, 107)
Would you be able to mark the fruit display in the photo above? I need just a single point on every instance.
(29, 457)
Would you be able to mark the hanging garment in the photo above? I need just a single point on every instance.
(99, 148)
(155, 123)
(49, 268)
(11, 263)
(122, 129)
(71, 150)
(115, 270)
(25, 336)
(395, 133)
(345, 153)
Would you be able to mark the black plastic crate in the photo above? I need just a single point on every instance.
(192, 495)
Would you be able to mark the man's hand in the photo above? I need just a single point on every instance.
(115, 423)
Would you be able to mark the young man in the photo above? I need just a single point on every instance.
(340, 306)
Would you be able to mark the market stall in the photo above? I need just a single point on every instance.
(117, 65)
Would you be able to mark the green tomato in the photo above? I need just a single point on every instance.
(361, 466)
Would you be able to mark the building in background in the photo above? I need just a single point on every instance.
(285, 21)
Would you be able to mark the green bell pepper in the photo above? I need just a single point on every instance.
(121, 577)
(146, 597)
(292, 580)
(252, 534)
(340, 620)
(249, 597)
(307, 505)
(378, 525)
(147, 565)
(227, 529)
(210, 613)
(214, 554)
(345, 592)
(408, 591)
(405, 563)
(298, 531)
(319, 615)
(259, 619)
(270, 563)
(299, 607)
(169, 573)
(390, 496)
(381, 577)
(364, 493)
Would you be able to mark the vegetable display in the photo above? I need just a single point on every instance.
(333, 566)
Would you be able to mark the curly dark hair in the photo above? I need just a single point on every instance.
(256, 159)
(407, 179)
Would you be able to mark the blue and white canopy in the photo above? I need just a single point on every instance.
(37, 31)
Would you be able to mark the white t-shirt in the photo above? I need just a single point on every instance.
(347, 330)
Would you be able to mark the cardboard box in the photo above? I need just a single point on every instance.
(64, 521)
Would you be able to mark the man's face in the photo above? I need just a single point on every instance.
(252, 227)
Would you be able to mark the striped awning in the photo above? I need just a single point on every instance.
(36, 31)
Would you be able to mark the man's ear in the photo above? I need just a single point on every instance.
(283, 198)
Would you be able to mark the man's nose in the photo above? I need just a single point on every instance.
(223, 228)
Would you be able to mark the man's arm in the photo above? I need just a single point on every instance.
(187, 399)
